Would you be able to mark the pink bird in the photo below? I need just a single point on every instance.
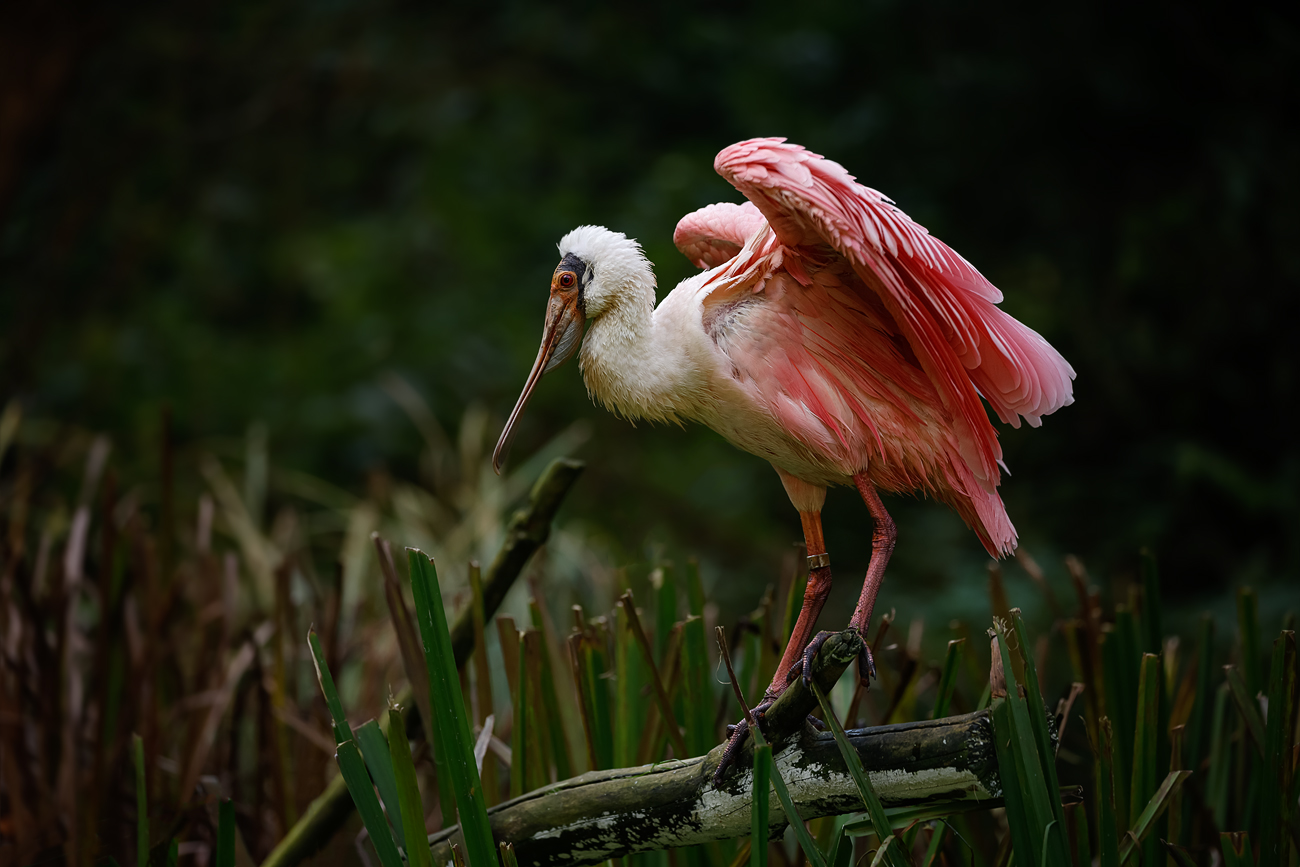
(829, 334)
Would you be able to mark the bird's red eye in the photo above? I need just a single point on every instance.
(567, 280)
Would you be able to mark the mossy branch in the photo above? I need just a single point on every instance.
(606, 814)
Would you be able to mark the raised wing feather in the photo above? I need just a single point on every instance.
(944, 307)
(714, 234)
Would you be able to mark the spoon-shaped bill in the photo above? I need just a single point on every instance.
(560, 338)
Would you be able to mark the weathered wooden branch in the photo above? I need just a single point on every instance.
(528, 530)
(605, 814)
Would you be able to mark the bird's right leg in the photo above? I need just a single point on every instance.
(814, 599)
(808, 499)
(883, 536)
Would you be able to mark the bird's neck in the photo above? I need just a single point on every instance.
(629, 360)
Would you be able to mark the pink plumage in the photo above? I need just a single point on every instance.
(876, 340)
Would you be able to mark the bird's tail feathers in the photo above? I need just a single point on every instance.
(982, 510)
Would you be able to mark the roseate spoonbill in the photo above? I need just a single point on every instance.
(829, 334)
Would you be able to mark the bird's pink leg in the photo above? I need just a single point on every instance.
(883, 536)
(814, 598)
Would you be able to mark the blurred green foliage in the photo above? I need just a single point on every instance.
(250, 211)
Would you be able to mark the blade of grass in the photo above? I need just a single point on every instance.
(1037, 718)
(1175, 828)
(141, 805)
(508, 855)
(588, 658)
(656, 682)
(1180, 856)
(654, 738)
(280, 772)
(769, 646)
(1122, 715)
(508, 632)
(1014, 794)
(936, 841)
(694, 587)
(450, 718)
(1248, 635)
(1152, 633)
(793, 602)
(1029, 765)
(576, 664)
(478, 620)
(482, 678)
(750, 645)
(841, 851)
(1247, 706)
(1145, 770)
(1235, 846)
(522, 733)
(1107, 825)
(1146, 820)
(1279, 735)
(1080, 848)
(697, 699)
(888, 847)
(225, 854)
(759, 832)
(1053, 840)
(948, 680)
(413, 664)
(664, 584)
(859, 774)
(557, 740)
(1216, 785)
(352, 765)
(1081, 667)
(375, 750)
(630, 674)
(408, 791)
(537, 760)
(1198, 721)
(741, 859)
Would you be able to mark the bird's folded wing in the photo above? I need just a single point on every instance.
(714, 234)
(944, 306)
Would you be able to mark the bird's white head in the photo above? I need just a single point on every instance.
(599, 272)
(612, 268)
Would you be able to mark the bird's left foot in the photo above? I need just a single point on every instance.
(866, 664)
(736, 737)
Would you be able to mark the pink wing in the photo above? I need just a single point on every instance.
(714, 234)
(944, 307)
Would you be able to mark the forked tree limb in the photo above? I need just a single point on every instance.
(606, 814)
(527, 531)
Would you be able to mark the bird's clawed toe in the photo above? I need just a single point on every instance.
(736, 738)
(866, 663)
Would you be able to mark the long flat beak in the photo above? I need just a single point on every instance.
(560, 338)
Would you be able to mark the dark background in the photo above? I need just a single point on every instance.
(250, 211)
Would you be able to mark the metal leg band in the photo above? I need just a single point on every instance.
(819, 561)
